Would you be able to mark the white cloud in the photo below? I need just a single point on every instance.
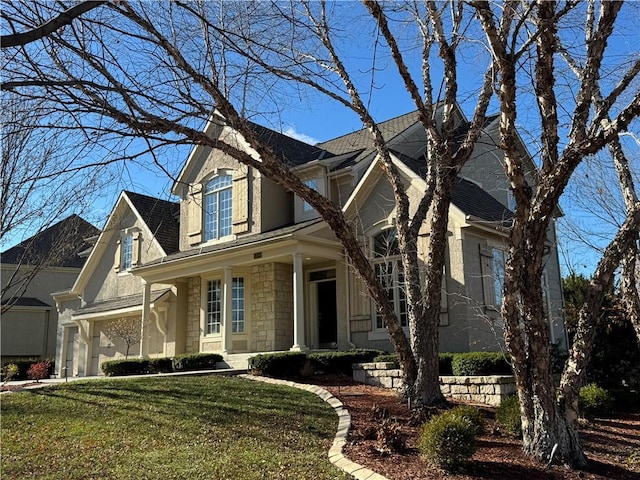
(290, 131)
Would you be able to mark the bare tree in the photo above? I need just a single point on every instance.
(298, 43)
(125, 329)
(36, 196)
(550, 423)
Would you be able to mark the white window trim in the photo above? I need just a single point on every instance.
(302, 210)
(204, 304)
(134, 233)
(204, 182)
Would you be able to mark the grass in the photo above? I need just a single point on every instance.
(205, 427)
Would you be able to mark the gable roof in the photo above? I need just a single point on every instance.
(360, 142)
(161, 216)
(56, 246)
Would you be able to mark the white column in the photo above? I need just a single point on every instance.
(298, 305)
(146, 307)
(227, 305)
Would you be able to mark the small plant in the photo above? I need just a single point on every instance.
(508, 416)
(447, 440)
(594, 400)
(389, 437)
(471, 415)
(38, 371)
(9, 372)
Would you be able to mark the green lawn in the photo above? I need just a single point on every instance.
(207, 427)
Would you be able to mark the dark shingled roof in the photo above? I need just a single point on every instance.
(56, 246)
(161, 216)
(119, 303)
(291, 151)
(25, 302)
(474, 201)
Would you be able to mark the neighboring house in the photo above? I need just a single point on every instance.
(30, 272)
(250, 267)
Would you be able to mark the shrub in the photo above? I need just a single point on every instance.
(161, 365)
(283, 364)
(471, 415)
(444, 363)
(196, 361)
(388, 358)
(508, 416)
(24, 364)
(340, 362)
(40, 370)
(594, 400)
(447, 440)
(116, 368)
(9, 372)
(480, 363)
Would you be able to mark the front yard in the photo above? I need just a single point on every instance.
(166, 428)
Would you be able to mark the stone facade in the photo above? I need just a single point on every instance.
(487, 389)
(271, 307)
(192, 344)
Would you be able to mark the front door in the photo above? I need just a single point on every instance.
(327, 316)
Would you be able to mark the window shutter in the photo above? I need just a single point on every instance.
(116, 261)
(486, 273)
(444, 306)
(195, 207)
(135, 254)
(359, 298)
(240, 202)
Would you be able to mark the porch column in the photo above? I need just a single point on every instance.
(146, 307)
(227, 308)
(298, 305)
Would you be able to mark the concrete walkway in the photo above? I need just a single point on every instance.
(336, 457)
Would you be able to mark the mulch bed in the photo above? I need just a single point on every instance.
(612, 444)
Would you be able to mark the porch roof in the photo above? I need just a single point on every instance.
(119, 303)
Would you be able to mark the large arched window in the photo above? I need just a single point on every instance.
(388, 268)
(218, 207)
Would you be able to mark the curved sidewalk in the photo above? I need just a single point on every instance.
(344, 423)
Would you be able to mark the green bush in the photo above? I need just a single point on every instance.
(480, 363)
(508, 416)
(388, 358)
(594, 400)
(340, 362)
(161, 365)
(283, 364)
(447, 440)
(196, 361)
(471, 415)
(117, 368)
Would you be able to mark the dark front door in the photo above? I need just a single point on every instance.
(327, 317)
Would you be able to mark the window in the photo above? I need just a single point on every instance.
(311, 183)
(218, 207)
(237, 308)
(126, 252)
(214, 307)
(498, 275)
(388, 269)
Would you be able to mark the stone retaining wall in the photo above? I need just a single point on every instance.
(487, 389)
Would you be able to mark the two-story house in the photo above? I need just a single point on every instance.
(246, 266)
